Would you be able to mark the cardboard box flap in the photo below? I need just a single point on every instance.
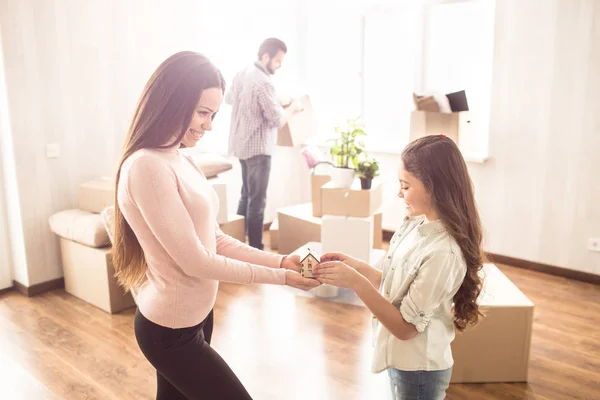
(351, 202)
(300, 127)
(97, 194)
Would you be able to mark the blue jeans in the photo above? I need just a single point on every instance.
(419, 385)
(255, 180)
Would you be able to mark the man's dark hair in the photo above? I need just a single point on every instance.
(271, 46)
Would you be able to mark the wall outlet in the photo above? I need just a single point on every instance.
(53, 150)
(594, 244)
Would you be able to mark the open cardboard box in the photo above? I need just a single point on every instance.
(351, 202)
(440, 115)
(426, 123)
(300, 126)
(96, 194)
(316, 183)
(297, 226)
(235, 227)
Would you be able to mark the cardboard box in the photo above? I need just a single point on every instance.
(352, 202)
(97, 194)
(299, 127)
(235, 227)
(426, 103)
(89, 275)
(425, 123)
(316, 182)
(297, 226)
(496, 349)
(335, 237)
(220, 188)
(274, 234)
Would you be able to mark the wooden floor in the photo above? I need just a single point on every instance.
(281, 345)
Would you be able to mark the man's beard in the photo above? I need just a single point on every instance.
(270, 68)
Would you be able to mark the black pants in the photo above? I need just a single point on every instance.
(187, 368)
(253, 199)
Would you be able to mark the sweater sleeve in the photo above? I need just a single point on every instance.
(153, 188)
(233, 248)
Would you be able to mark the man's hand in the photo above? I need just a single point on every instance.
(294, 279)
(291, 262)
(295, 106)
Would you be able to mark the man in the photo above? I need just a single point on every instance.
(255, 119)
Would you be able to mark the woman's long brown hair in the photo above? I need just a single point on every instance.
(438, 163)
(163, 115)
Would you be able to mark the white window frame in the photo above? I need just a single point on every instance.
(379, 145)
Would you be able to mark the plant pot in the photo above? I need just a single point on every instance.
(343, 177)
(365, 183)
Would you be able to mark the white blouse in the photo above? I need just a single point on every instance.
(422, 271)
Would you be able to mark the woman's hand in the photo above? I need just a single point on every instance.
(291, 262)
(338, 273)
(294, 279)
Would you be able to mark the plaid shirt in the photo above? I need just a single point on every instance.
(256, 115)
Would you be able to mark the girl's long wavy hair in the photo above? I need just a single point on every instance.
(438, 163)
(161, 119)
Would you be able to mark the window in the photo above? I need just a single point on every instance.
(332, 65)
(230, 33)
(362, 62)
(368, 60)
(391, 50)
(458, 54)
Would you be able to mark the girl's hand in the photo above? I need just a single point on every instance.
(346, 259)
(338, 274)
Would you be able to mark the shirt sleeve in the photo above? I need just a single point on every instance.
(271, 109)
(439, 277)
(231, 93)
(153, 188)
(233, 248)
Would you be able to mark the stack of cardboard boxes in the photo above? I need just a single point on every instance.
(346, 220)
(349, 219)
(331, 210)
(88, 271)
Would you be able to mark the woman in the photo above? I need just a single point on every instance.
(168, 246)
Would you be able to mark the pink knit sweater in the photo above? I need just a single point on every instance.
(172, 209)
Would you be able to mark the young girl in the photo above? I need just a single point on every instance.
(430, 282)
(167, 244)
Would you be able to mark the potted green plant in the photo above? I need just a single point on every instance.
(367, 170)
(345, 151)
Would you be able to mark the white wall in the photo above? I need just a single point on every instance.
(539, 194)
(74, 70)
